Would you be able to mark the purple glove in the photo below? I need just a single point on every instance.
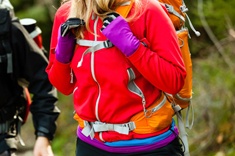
(66, 40)
(117, 30)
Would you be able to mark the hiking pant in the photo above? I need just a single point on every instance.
(174, 148)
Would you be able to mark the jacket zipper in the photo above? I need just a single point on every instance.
(93, 72)
(132, 86)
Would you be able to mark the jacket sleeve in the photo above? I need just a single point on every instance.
(30, 62)
(59, 72)
(161, 62)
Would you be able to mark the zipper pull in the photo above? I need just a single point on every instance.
(71, 73)
(192, 27)
(144, 103)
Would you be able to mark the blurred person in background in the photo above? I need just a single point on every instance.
(117, 71)
(22, 71)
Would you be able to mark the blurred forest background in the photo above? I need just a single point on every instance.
(213, 56)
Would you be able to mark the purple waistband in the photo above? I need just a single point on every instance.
(134, 149)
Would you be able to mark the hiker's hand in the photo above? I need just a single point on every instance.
(66, 40)
(65, 46)
(117, 30)
(42, 147)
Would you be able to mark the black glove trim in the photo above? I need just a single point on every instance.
(69, 24)
(111, 16)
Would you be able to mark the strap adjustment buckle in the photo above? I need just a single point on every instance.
(108, 44)
(169, 8)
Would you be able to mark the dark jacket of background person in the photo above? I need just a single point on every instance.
(29, 63)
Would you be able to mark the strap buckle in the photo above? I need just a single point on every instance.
(3, 58)
(108, 44)
(169, 8)
(183, 9)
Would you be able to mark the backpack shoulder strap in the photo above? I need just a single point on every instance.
(125, 8)
(6, 52)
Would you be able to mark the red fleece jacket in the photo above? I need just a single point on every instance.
(104, 95)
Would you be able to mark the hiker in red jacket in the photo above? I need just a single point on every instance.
(118, 70)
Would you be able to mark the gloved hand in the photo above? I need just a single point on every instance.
(117, 30)
(66, 40)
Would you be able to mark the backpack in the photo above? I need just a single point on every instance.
(14, 98)
(177, 12)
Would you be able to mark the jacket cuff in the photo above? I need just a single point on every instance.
(62, 65)
(44, 133)
(140, 51)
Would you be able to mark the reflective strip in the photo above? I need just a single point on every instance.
(36, 32)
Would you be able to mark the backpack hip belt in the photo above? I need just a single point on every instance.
(139, 123)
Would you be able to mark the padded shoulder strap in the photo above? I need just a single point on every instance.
(125, 8)
(5, 53)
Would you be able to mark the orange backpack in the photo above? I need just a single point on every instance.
(177, 12)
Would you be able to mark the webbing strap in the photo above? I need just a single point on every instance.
(7, 46)
(171, 10)
(183, 134)
(92, 127)
(3, 58)
(181, 98)
(36, 32)
(19, 130)
(88, 43)
(120, 128)
(9, 63)
(101, 45)
(187, 116)
(4, 127)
